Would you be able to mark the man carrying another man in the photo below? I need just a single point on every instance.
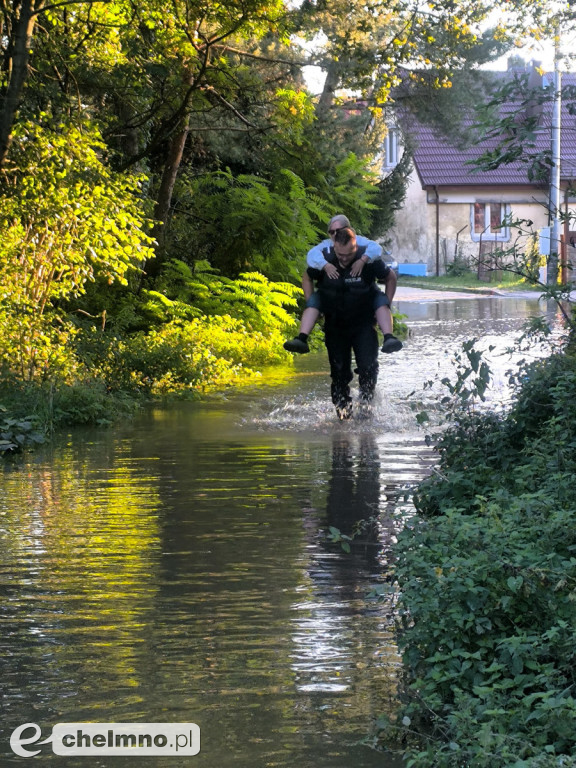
(318, 258)
(348, 304)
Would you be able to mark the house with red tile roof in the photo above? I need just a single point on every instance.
(454, 211)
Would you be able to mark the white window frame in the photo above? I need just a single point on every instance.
(392, 147)
(502, 235)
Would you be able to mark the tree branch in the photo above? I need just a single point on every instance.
(259, 57)
(230, 107)
(41, 8)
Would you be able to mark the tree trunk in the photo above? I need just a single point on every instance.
(164, 201)
(330, 85)
(19, 57)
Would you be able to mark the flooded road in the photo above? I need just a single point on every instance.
(179, 568)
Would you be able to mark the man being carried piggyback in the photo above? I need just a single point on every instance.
(347, 302)
(319, 258)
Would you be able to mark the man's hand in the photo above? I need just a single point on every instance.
(330, 270)
(357, 267)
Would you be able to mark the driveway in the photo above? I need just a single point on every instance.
(406, 293)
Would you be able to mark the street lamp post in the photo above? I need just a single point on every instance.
(555, 232)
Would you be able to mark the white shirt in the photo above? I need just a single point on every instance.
(315, 256)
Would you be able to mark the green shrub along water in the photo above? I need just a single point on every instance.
(486, 573)
(198, 332)
(195, 332)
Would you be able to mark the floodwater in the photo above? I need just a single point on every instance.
(179, 568)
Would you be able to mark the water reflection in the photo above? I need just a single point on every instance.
(173, 579)
(78, 550)
(476, 309)
(344, 653)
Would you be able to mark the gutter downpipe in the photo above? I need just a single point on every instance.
(437, 231)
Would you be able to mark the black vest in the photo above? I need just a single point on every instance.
(348, 299)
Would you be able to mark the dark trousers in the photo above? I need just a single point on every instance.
(340, 340)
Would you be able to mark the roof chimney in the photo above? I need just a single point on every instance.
(535, 79)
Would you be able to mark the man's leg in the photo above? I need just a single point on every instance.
(384, 319)
(309, 316)
(365, 345)
(340, 357)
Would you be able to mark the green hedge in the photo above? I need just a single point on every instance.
(487, 578)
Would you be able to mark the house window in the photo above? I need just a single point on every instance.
(489, 221)
(391, 148)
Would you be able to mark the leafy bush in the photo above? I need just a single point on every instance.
(184, 292)
(36, 347)
(16, 434)
(244, 222)
(545, 390)
(47, 406)
(89, 372)
(65, 219)
(184, 356)
(490, 631)
(204, 330)
(487, 578)
(460, 266)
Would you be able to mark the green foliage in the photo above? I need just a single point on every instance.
(245, 222)
(35, 347)
(49, 405)
(65, 219)
(203, 331)
(352, 188)
(17, 434)
(185, 357)
(514, 132)
(260, 303)
(489, 645)
(472, 376)
(543, 387)
(487, 576)
(86, 401)
(460, 266)
(390, 195)
(335, 536)
(400, 327)
(468, 387)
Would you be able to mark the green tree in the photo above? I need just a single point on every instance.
(65, 219)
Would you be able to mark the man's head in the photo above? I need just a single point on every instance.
(336, 223)
(345, 245)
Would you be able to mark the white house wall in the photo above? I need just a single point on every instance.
(412, 237)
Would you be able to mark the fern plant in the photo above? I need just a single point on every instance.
(351, 190)
(245, 223)
(186, 292)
